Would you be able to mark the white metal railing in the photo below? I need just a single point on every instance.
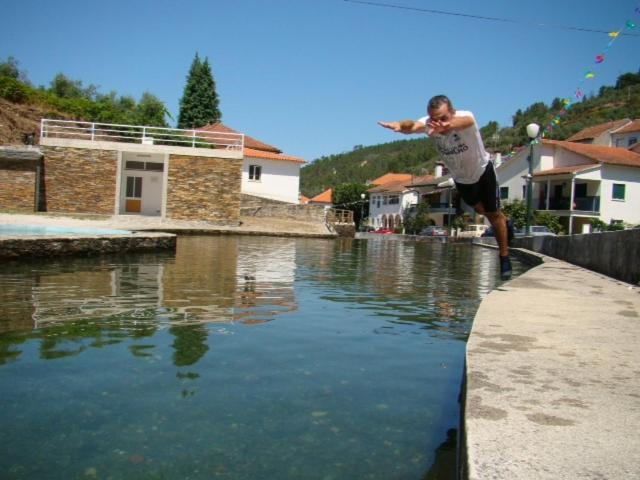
(110, 132)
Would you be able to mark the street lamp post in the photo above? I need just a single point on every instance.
(362, 196)
(532, 132)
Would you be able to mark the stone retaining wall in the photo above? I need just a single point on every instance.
(204, 188)
(253, 206)
(79, 180)
(18, 185)
(616, 254)
(29, 247)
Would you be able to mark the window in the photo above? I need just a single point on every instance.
(378, 201)
(504, 193)
(136, 165)
(131, 165)
(134, 187)
(385, 200)
(618, 191)
(255, 172)
(394, 200)
(632, 141)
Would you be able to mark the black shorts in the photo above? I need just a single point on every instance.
(484, 191)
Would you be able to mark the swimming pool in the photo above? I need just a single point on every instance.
(238, 358)
(24, 230)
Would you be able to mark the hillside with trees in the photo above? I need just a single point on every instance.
(418, 155)
(22, 105)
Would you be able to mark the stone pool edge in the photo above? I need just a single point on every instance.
(548, 390)
(62, 245)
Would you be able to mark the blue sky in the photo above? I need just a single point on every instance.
(314, 76)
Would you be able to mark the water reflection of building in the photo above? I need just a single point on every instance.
(209, 280)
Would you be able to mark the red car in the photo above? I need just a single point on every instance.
(384, 231)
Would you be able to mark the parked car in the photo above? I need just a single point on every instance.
(383, 231)
(434, 231)
(536, 231)
(473, 230)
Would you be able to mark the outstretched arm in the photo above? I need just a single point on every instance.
(405, 126)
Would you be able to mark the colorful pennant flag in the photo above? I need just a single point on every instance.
(599, 58)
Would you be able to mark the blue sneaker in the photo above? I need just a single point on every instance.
(505, 268)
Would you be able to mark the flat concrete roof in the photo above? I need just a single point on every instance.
(143, 148)
(553, 378)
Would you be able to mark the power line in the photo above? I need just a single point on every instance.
(485, 18)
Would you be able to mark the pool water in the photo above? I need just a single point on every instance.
(24, 230)
(238, 358)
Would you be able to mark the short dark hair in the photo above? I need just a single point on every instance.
(438, 100)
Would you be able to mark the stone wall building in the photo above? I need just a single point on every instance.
(86, 172)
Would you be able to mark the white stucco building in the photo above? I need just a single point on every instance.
(266, 171)
(395, 194)
(577, 182)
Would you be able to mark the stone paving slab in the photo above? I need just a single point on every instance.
(248, 226)
(553, 378)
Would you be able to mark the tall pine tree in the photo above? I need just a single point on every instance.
(199, 102)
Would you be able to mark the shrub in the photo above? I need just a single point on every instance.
(13, 90)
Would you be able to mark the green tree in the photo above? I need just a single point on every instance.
(516, 211)
(548, 219)
(11, 68)
(64, 87)
(415, 220)
(348, 197)
(151, 111)
(199, 102)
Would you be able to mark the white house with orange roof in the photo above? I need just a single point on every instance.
(266, 171)
(577, 182)
(324, 198)
(626, 136)
(600, 134)
(389, 198)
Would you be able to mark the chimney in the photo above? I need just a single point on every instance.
(438, 171)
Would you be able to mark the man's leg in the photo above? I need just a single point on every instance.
(499, 223)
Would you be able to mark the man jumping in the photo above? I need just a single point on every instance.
(459, 143)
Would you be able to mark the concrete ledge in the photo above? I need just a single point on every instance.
(49, 246)
(552, 381)
(222, 231)
(616, 254)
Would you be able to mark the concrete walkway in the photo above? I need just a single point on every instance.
(553, 378)
(248, 226)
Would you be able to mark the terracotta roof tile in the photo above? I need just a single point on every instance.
(565, 170)
(423, 180)
(594, 131)
(390, 187)
(635, 147)
(324, 197)
(600, 153)
(630, 128)
(392, 177)
(249, 142)
(250, 152)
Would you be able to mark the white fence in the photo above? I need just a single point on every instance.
(109, 132)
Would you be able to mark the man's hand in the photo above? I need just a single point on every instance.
(405, 126)
(438, 126)
(395, 126)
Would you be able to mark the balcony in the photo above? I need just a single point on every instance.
(70, 133)
(580, 204)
